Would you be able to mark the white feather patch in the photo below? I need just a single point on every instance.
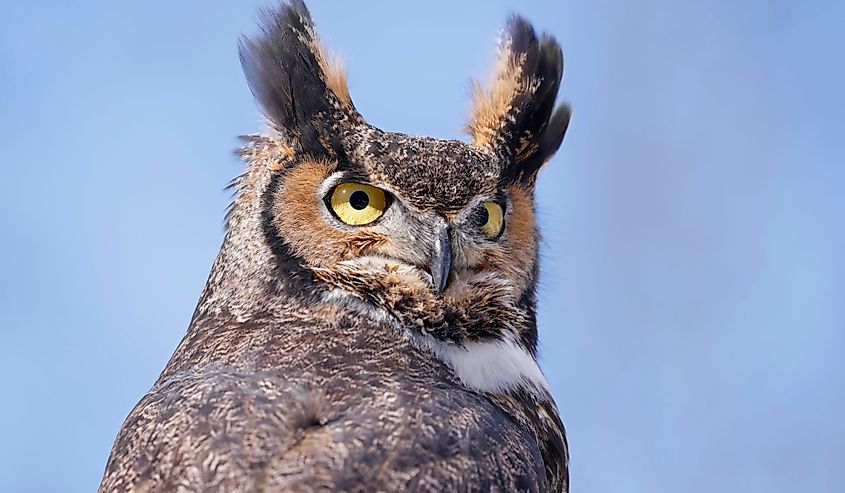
(492, 366)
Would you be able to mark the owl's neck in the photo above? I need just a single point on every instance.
(249, 278)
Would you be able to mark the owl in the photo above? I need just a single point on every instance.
(370, 321)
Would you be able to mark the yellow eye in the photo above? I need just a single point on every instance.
(492, 219)
(357, 204)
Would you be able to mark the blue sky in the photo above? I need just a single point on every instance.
(693, 285)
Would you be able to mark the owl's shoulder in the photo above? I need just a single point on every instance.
(326, 423)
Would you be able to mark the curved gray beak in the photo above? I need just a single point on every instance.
(441, 259)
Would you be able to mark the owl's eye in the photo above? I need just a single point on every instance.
(492, 219)
(357, 204)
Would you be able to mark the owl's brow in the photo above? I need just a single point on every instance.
(347, 165)
(501, 197)
(353, 175)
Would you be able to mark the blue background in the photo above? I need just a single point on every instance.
(693, 292)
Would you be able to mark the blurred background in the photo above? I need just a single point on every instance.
(693, 287)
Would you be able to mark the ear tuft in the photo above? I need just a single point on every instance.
(515, 115)
(292, 76)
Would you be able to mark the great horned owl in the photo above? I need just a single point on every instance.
(369, 323)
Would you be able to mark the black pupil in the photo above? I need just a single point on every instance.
(483, 216)
(359, 200)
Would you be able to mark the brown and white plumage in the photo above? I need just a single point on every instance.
(396, 355)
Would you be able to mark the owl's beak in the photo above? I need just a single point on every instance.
(441, 259)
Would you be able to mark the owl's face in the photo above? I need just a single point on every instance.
(436, 235)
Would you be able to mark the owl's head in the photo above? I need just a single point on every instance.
(436, 236)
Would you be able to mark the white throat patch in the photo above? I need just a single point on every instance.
(492, 366)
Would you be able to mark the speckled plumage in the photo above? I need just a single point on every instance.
(320, 357)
